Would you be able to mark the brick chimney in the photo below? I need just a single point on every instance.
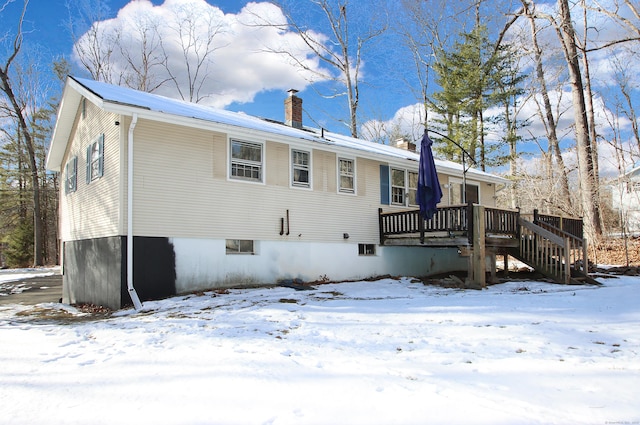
(293, 109)
(403, 143)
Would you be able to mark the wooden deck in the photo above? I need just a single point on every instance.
(554, 246)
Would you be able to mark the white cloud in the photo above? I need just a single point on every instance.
(407, 121)
(239, 62)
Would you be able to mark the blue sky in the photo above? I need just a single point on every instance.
(248, 79)
(45, 24)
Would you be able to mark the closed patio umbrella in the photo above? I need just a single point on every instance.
(429, 192)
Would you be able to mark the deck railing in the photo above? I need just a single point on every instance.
(501, 222)
(554, 245)
(446, 219)
(573, 226)
(452, 219)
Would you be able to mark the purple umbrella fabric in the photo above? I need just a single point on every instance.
(429, 192)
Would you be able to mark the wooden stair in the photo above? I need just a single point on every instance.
(557, 254)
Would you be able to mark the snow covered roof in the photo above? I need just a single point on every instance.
(127, 101)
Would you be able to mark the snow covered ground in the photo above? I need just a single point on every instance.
(385, 352)
(8, 277)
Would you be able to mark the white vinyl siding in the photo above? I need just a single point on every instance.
(183, 193)
(183, 189)
(94, 209)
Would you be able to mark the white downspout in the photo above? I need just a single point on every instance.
(132, 291)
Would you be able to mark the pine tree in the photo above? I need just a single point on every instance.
(474, 76)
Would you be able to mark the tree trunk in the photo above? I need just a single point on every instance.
(550, 121)
(33, 166)
(590, 201)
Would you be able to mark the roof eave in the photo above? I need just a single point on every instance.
(72, 95)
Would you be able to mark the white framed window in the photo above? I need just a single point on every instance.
(95, 159)
(300, 168)
(397, 186)
(404, 187)
(239, 246)
(71, 176)
(246, 160)
(366, 249)
(346, 175)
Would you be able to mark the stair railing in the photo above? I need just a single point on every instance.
(548, 252)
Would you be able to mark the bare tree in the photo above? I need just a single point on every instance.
(588, 178)
(617, 14)
(20, 113)
(342, 52)
(623, 79)
(546, 110)
(593, 134)
(429, 26)
(141, 49)
(195, 52)
(94, 47)
(146, 54)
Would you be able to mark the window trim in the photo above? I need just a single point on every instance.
(293, 168)
(367, 250)
(393, 186)
(346, 191)
(240, 251)
(71, 178)
(99, 142)
(231, 161)
(407, 189)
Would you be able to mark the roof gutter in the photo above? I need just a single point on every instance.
(132, 291)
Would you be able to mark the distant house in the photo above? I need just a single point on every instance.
(625, 198)
(193, 198)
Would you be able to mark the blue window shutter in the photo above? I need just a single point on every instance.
(88, 164)
(101, 154)
(384, 185)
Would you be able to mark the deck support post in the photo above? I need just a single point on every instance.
(505, 271)
(478, 264)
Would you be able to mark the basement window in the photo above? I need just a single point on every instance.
(366, 249)
(239, 246)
